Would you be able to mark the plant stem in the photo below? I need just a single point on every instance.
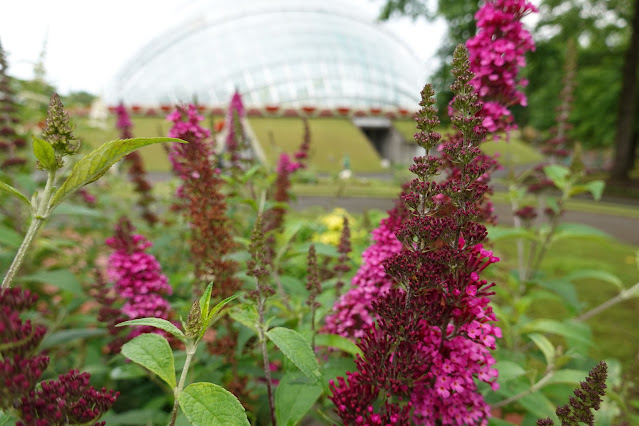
(625, 294)
(39, 215)
(190, 351)
(550, 370)
(265, 360)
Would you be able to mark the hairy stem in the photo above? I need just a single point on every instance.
(190, 351)
(39, 216)
(265, 360)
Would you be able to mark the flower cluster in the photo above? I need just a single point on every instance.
(497, 53)
(432, 334)
(67, 400)
(204, 204)
(237, 145)
(58, 132)
(137, 173)
(587, 396)
(137, 276)
(10, 142)
(352, 314)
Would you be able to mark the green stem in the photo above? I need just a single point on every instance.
(625, 294)
(550, 371)
(190, 351)
(37, 220)
(265, 360)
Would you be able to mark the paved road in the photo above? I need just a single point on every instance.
(622, 228)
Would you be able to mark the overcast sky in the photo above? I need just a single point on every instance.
(89, 40)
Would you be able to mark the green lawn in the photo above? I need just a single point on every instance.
(332, 139)
(515, 152)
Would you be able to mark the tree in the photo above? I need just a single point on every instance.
(627, 136)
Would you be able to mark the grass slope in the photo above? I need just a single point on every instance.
(332, 139)
(515, 152)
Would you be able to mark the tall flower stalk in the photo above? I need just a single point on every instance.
(497, 53)
(137, 173)
(204, 204)
(432, 334)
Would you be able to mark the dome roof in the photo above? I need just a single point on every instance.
(283, 52)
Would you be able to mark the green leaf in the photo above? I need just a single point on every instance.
(217, 308)
(496, 233)
(212, 405)
(337, 341)
(160, 323)
(565, 289)
(60, 278)
(557, 174)
(568, 376)
(45, 154)
(544, 346)
(12, 191)
(10, 237)
(95, 164)
(596, 274)
(508, 371)
(152, 352)
(578, 230)
(205, 303)
(246, 314)
(296, 348)
(65, 336)
(596, 188)
(568, 330)
(294, 396)
(493, 421)
(127, 371)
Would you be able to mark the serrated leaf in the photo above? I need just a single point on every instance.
(65, 336)
(296, 348)
(338, 342)
(160, 323)
(12, 191)
(212, 405)
(95, 164)
(544, 346)
(294, 396)
(246, 314)
(152, 352)
(45, 154)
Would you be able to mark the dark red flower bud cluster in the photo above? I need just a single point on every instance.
(137, 172)
(67, 400)
(433, 334)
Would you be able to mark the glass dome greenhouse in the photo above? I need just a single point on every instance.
(275, 52)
